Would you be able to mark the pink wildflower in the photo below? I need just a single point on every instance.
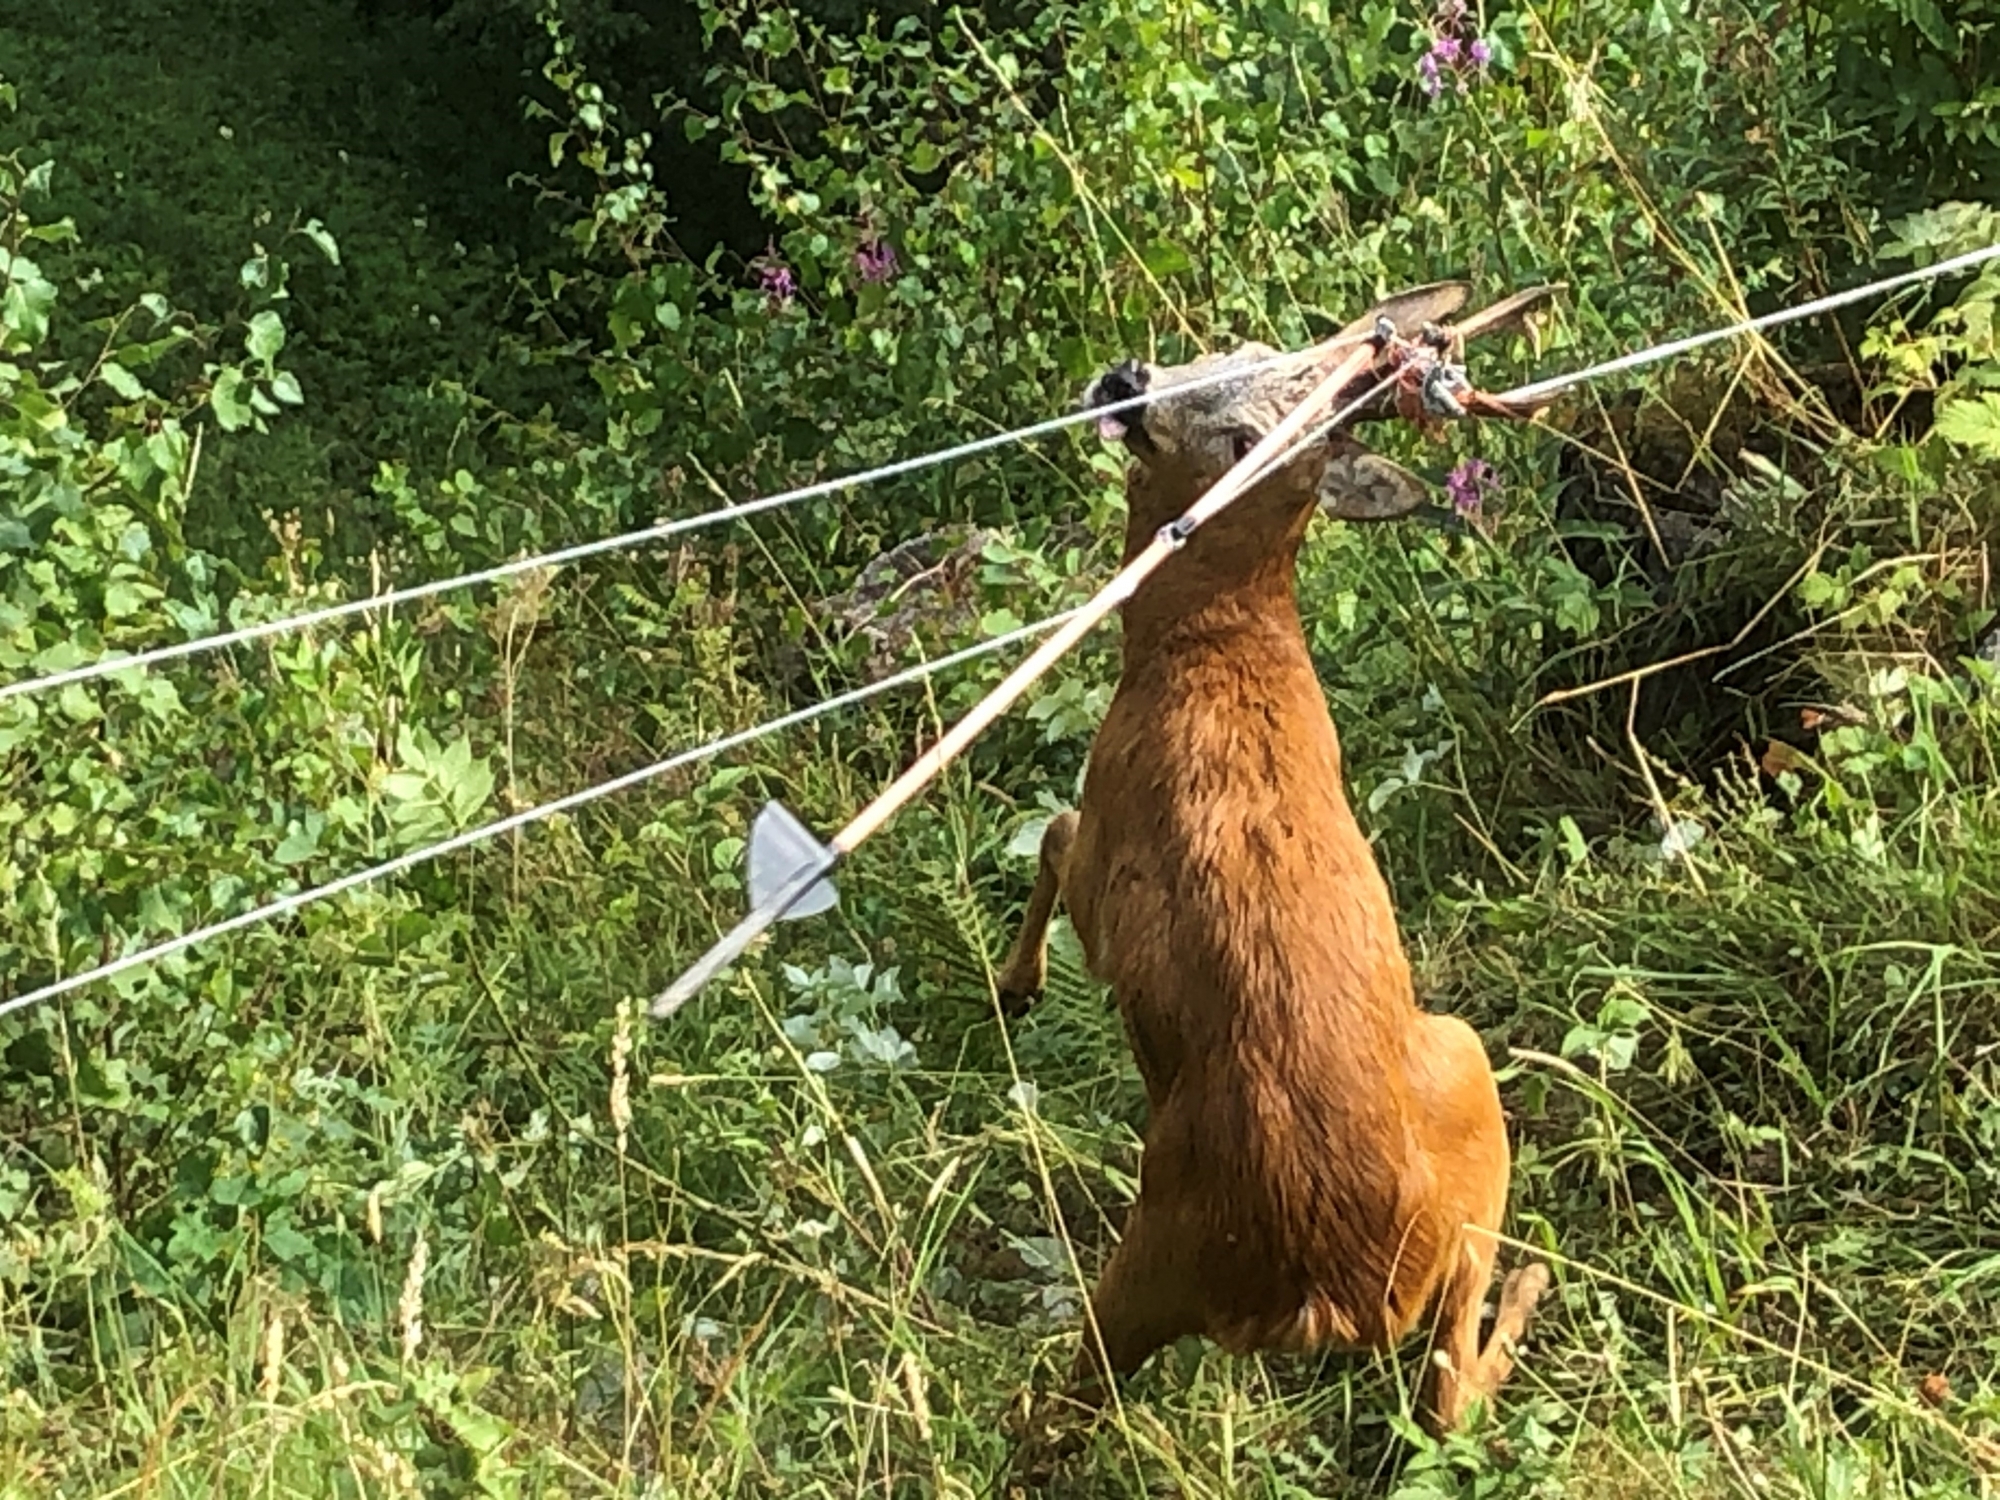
(875, 260)
(1469, 485)
(774, 278)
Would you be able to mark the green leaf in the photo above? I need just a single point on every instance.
(1073, 357)
(1577, 613)
(406, 786)
(285, 386)
(1972, 423)
(300, 845)
(195, 1241)
(122, 598)
(121, 380)
(1930, 21)
(235, 1190)
(285, 1242)
(1165, 258)
(1622, 1011)
(322, 237)
(77, 703)
(25, 304)
(231, 406)
(266, 336)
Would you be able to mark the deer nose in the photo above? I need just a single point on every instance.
(1120, 383)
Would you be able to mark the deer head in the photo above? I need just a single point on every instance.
(1185, 442)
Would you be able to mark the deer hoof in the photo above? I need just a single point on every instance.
(1018, 993)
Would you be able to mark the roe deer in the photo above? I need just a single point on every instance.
(1317, 1144)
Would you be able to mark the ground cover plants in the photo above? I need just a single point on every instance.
(1679, 751)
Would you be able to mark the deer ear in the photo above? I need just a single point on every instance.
(1513, 314)
(1410, 310)
(1361, 485)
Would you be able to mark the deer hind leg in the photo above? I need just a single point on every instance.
(1463, 1108)
(1462, 1372)
(1027, 965)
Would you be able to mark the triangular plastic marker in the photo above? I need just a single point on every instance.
(780, 847)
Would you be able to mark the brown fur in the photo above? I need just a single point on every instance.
(1317, 1142)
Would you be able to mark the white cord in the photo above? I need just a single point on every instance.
(1657, 352)
(1654, 353)
(401, 862)
(104, 666)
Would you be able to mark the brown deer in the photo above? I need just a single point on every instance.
(1325, 1162)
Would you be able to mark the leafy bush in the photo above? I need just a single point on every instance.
(1918, 76)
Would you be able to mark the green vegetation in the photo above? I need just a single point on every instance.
(400, 1196)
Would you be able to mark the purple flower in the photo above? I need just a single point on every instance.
(1469, 485)
(1450, 51)
(778, 283)
(774, 278)
(875, 261)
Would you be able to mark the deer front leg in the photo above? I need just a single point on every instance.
(1027, 967)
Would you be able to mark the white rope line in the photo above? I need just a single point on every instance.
(742, 510)
(286, 904)
(1654, 353)
(1657, 352)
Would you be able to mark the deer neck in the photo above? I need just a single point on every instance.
(1230, 589)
